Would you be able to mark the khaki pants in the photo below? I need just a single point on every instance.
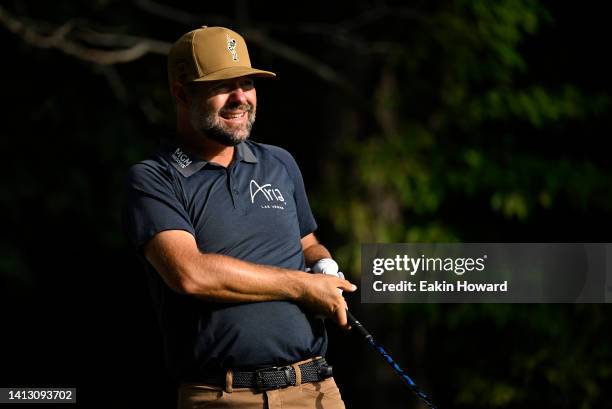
(314, 395)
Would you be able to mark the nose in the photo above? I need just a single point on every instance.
(238, 95)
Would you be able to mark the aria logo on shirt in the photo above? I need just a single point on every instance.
(274, 197)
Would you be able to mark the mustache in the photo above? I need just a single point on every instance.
(236, 107)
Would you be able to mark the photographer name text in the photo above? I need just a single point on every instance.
(439, 286)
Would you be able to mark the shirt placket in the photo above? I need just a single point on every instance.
(234, 187)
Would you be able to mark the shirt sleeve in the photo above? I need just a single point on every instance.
(152, 204)
(306, 219)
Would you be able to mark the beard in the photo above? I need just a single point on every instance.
(211, 125)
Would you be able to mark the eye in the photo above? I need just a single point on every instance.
(247, 84)
(220, 88)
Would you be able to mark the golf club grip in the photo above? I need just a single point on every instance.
(354, 322)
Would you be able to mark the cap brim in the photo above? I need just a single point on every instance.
(234, 72)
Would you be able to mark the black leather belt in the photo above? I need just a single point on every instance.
(274, 377)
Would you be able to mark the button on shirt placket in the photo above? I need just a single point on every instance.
(232, 184)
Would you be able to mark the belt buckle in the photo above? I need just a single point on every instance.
(259, 381)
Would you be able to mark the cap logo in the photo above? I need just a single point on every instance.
(231, 47)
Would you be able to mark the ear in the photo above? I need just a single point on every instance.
(180, 94)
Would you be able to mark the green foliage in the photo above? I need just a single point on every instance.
(469, 143)
(465, 125)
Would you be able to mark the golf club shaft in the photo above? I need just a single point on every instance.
(357, 326)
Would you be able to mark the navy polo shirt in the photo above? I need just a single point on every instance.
(255, 210)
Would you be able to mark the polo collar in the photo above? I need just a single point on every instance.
(188, 163)
(244, 153)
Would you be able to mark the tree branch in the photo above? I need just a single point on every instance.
(136, 47)
(180, 16)
(295, 56)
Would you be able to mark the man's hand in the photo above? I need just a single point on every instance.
(320, 294)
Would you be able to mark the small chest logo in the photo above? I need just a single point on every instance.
(181, 158)
(231, 47)
(274, 197)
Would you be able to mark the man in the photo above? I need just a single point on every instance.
(224, 226)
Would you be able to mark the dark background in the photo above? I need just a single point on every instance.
(470, 121)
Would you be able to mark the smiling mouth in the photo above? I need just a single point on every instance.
(233, 115)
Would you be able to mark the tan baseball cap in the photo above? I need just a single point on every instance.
(210, 54)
